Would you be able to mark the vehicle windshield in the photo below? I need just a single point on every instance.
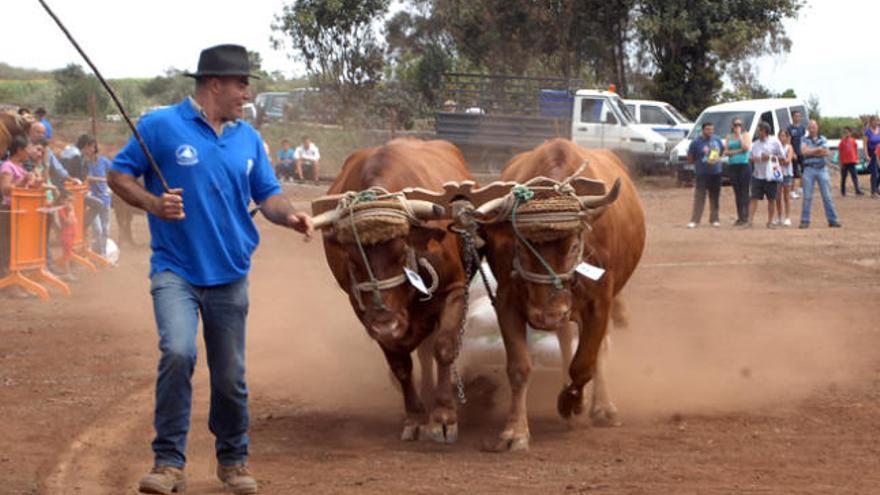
(722, 122)
(621, 107)
(675, 113)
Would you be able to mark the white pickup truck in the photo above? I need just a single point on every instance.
(663, 118)
(517, 113)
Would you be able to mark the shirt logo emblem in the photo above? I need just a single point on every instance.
(250, 165)
(186, 155)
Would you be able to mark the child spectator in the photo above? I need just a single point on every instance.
(284, 166)
(787, 162)
(848, 157)
(12, 174)
(68, 225)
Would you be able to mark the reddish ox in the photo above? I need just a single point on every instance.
(11, 124)
(612, 236)
(397, 316)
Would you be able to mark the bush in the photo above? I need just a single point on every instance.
(832, 127)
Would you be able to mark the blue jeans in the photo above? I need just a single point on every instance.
(223, 308)
(820, 175)
(101, 231)
(875, 174)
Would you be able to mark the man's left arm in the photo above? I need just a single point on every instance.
(280, 211)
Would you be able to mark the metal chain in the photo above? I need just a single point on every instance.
(469, 248)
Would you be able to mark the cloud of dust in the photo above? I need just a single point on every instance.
(305, 343)
(711, 345)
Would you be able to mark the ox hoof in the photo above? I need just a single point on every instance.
(509, 442)
(570, 402)
(410, 432)
(605, 417)
(443, 433)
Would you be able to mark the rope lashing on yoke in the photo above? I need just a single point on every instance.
(522, 194)
(551, 217)
(374, 285)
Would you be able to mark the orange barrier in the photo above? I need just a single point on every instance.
(82, 251)
(27, 253)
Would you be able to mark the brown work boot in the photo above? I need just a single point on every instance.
(237, 479)
(163, 480)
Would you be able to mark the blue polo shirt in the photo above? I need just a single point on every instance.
(814, 161)
(700, 149)
(219, 176)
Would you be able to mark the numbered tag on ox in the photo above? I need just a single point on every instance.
(416, 281)
(593, 273)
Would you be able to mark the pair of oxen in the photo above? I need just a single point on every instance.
(544, 229)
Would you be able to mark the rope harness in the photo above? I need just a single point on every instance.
(375, 285)
(521, 195)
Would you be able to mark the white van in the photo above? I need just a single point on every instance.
(663, 118)
(600, 119)
(775, 111)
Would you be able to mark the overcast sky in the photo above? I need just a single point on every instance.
(832, 56)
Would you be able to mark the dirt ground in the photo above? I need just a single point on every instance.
(752, 365)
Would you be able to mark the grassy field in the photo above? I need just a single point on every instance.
(335, 143)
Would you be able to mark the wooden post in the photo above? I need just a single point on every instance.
(392, 121)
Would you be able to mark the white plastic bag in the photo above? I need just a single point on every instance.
(774, 169)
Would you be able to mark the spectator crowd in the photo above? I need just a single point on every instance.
(297, 164)
(30, 162)
(768, 168)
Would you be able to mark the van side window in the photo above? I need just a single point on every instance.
(802, 110)
(653, 115)
(591, 110)
(632, 109)
(783, 118)
(768, 118)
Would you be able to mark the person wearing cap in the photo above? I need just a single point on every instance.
(202, 241)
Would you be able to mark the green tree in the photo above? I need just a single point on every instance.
(75, 90)
(813, 107)
(337, 42)
(692, 43)
(168, 88)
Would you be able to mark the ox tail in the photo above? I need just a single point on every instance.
(619, 314)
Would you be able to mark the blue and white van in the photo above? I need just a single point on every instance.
(663, 118)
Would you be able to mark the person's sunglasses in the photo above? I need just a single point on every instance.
(737, 124)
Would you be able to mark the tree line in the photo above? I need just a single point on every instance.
(679, 51)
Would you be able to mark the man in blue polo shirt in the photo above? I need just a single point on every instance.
(202, 241)
(705, 153)
(814, 149)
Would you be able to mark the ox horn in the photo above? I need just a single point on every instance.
(490, 207)
(326, 219)
(426, 210)
(593, 202)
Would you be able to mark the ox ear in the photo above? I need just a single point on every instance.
(421, 236)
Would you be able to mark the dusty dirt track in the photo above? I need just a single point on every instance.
(752, 365)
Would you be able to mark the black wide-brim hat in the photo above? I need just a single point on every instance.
(223, 60)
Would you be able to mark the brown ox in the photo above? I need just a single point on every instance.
(11, 124)
(398, 317)
(614, 241)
